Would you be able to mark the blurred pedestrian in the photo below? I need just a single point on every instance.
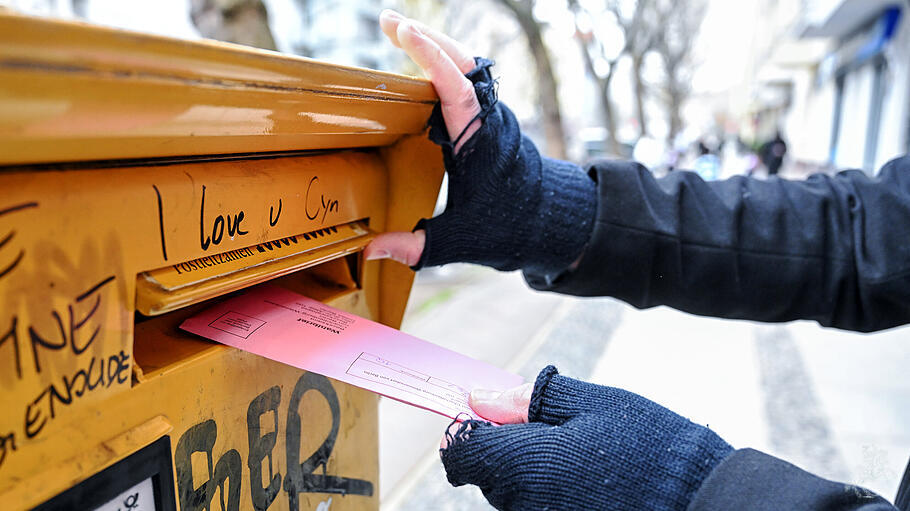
(772, 153)
(707, 164)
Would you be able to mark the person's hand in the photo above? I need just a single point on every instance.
(445, 62)
(507, 207)
(567, 444)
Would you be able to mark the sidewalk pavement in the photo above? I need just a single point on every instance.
(831, 402)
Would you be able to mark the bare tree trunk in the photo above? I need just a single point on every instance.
(603, 83)
(603, 86)
(637, 62)
(236, 21)
(675, 120)
(676, 94)
(674, 112)
(548, 92)
(609, 114)
(681, 20)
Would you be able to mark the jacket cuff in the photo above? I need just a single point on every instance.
(564, 218)
(749, 480)
(596, 257)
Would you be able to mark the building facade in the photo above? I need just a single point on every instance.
(842, 72)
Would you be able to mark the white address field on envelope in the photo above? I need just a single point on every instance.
(385, 372)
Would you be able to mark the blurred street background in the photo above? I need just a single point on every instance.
(757, 87)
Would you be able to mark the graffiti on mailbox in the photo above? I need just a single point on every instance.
(8, 237)
(321, 207)
(217, 226)
(69, 329)
(225, 473)
(73, 329)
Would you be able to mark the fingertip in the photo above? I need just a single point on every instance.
(371, 254)
(391, 14)
(479, 396)
(508, 407)
(388, 22)
(409, 36)
(489, 405)
(424, 51)
(404, 247)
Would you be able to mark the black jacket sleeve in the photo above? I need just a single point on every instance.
(834, 249)
(749, 480)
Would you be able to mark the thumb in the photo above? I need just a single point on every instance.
(508, 407)
(404, 247)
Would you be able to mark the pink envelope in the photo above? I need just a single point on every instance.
(286, 327)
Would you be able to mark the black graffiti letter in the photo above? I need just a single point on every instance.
(201, 438)
(11, 335)
(300, 478)
(7, 440)
(161, 223)
(38, 340)
(5, 239)
(204, 240)
(273, 218)
(306, 200)
(261, 447)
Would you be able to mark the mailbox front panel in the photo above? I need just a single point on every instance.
(75, 242)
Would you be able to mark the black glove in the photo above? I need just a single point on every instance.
(586, 447)
(507, 207)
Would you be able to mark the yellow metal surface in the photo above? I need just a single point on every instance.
(72, 92)
(84, 380)
(411, 190)
(75, 243)
(92, 458)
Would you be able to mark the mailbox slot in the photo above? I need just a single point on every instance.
(181, 284)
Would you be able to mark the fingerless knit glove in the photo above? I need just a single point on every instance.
(586, 447)
(507, 207)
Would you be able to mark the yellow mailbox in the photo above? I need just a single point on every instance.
(140, 179)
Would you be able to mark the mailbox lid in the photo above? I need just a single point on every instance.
(75, 92)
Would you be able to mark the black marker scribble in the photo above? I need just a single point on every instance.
(161, 222)
(94, 288)
(325, 205)
(224, 473)
(233, 228)
(18, 207)
(8, 237)
(12, 265)
(273, 222)
(7, 441)
(12, 336)
(69, 329)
